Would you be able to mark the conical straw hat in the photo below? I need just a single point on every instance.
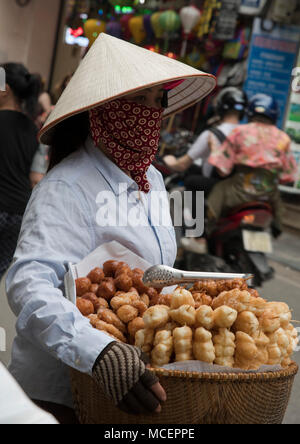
(114, 68)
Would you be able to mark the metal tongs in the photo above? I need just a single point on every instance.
(162, 276)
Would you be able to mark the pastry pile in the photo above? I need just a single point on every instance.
(217, 322)
(235, 328)
(115, 299)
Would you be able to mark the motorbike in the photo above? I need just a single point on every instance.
(243, 240)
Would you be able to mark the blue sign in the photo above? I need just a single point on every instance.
(272, 58)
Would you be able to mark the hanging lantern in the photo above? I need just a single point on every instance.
(136, 26)
(148, 28)
(190, 16)
(156, 26)
(121, 3)
(170, 23)
(114, 28)
(124, 22)
(93, 28)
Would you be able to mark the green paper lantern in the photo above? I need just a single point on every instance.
(170, 21)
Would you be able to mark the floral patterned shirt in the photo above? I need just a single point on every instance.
(256, 145)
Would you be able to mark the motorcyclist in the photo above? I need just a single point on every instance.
(261, 154)
(230, 106)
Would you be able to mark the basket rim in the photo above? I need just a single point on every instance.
(290, 371)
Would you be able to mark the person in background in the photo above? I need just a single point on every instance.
(39, 165)
(261, 154)
(18, 145)
(230, 106)
(44, 104)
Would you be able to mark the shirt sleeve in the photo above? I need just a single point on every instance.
(56, 230)
(200, 149)
(223, 156)
(289, 164)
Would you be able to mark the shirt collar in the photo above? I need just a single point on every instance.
(113, 175)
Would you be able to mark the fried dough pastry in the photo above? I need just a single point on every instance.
(134, 326)
(123, 268)
(205, 317)
(240, 301)
(144, 339)
(246, 352)
(184, 315)
(224, 342)
(123, 299)
(201, 299)
(145, 298)
(123, 282)
(214, 288)
(182, 297)
(82, 286)
(107, 289)
(224, 317)
(111, 330)
(275, 315)
(110, 268)
(137, 282)
(110, 317)
(94, 288)
(163, 299)
(94, 300)
(183, 343)
(261, 341)
(278, 346)
(85, 306)
(156, 316)
(96, 276)
(127, 313)
(293, 334)
(163, 348)
(246, 322)
(203, 347)
(140, 306)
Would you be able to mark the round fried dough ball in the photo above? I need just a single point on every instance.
(107, 289)
(82, 286)
(96, 276)
(85, 307)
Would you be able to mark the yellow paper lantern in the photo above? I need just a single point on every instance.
(137, 29)
(156, 25)
(93, 28)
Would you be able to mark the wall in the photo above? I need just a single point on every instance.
(27, 34)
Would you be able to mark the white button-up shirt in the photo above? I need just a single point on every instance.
(63, 223)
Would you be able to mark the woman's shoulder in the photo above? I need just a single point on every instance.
(71, 168)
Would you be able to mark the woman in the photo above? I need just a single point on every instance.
(262, 156)
(18, 145)
(104, 134)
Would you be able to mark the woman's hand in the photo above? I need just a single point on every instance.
(122, 372)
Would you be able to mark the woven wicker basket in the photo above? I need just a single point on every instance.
(196, 398)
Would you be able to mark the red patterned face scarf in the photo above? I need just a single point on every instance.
(130, 133)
